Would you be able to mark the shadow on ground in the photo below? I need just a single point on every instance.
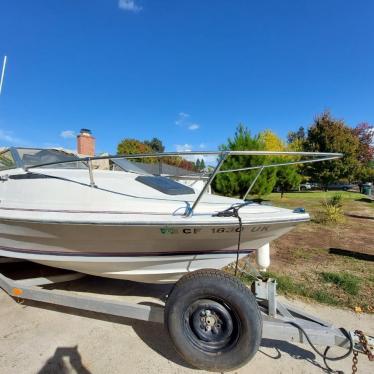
(64, 360)
(366, 199)
(290, 349)
(353, 254)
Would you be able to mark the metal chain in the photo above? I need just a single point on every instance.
(366, 350)
(354, 362)
(364, 344)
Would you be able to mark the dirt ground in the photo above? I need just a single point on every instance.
(315, 251)
(356, 235)
(63, 341)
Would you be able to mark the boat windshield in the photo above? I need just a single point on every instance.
(7, 161)
(33, 156)
(129, 166)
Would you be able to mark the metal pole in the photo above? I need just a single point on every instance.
(207, 184)
(253, 183)
(280, 164)
(235, 153)
(2, 74)
(92, 182)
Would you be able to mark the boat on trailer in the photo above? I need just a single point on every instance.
(57, 210)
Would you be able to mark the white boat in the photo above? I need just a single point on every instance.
(55, 209)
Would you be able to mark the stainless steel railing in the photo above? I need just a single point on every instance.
(221, 156)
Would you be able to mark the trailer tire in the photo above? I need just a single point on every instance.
(213, 320)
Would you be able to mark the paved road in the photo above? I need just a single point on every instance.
(35, 340)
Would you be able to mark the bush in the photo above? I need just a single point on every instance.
(332, 209)
(336, 200)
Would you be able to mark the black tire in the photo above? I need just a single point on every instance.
(213, 320)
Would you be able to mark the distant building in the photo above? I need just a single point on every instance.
(86, 143)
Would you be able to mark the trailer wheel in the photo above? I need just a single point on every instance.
(213, 320)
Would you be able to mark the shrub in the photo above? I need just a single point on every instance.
(332, 209)
(336, 200)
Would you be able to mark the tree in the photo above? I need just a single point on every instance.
(155, 144)
(288, 178)
(129, 146)
(271, 141)
(184, 164)
(179, 162)
(296, 136)
(365, 134)
(132, 146)
(365, 173)
(200, 164)
(328, 134)
(296, 140)
(237, 183)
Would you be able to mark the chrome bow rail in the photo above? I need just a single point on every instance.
(221, 157)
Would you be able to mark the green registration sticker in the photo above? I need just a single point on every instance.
(167, 230)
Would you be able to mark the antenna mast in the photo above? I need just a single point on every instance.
(2, 74)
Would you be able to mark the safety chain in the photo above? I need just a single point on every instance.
(366, 350)
(364, 344)
(354, 362)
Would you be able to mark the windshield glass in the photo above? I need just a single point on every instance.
(128, 166)
(165, 185)
(33, 157)
(6, 161)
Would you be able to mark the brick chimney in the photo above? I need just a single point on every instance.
(86, 143)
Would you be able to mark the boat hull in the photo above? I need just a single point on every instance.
(145, 269)
(143, 253)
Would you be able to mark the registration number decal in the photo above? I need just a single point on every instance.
(215, 230)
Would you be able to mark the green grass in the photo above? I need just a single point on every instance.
(324, 297)
(303, 265)
(371, 278)
(313, 195)
(247, 278)
(301, 254)
(312, 200)
(348, 282)
(287, 286)
(341, 287)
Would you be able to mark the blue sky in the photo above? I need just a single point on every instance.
(184, 71)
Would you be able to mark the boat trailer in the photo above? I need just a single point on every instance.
(280, 321)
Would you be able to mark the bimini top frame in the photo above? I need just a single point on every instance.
(221, 156)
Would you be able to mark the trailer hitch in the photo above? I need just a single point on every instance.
(284, 322)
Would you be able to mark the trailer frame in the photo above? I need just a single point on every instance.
(280, 321)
